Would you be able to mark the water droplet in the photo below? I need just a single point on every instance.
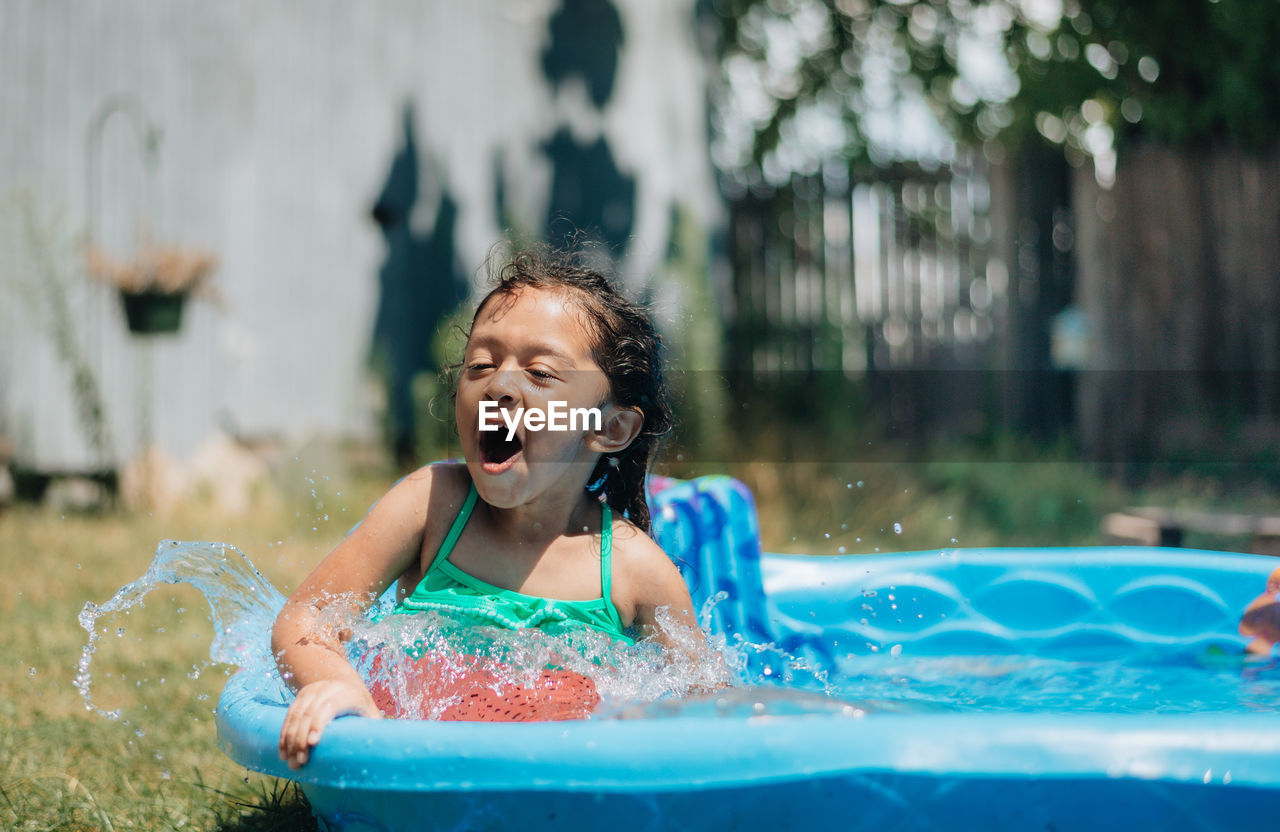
(31, 672)
(757, 708)
(859, 483)
(897, 528)
(827, 535)
(869, 593)
(840, 550)
(895, 650)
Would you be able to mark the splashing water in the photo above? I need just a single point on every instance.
(244, 605)
(383, 648)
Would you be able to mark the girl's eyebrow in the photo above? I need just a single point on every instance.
(537, 348)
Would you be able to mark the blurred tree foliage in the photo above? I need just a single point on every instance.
(1180, 72)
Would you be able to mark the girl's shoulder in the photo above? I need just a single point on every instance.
(430, 493)
(638, 561)
(445, 486)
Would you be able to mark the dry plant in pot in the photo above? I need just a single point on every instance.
(154, 285)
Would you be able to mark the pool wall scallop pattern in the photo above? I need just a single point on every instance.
(1062, 602)
(1043, 601)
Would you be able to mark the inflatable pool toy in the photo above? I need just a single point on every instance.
(762, 758)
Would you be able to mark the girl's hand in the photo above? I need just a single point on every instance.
(315, 706)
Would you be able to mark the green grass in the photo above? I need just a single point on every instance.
(158, 766)
(1013, 495)
(958, 498)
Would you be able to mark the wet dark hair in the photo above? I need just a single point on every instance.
(625, 345)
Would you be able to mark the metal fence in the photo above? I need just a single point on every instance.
(882, 286)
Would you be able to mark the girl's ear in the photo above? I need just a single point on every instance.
(620, 427)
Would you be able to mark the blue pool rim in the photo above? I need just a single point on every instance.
(691, 752)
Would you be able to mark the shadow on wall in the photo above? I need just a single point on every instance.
(419, 286)
(589, 194)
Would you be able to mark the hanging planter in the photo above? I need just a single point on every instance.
(154, 287)
(153, 313)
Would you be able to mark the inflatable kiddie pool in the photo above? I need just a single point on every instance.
(1173, 730)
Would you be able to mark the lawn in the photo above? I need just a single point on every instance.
(157, 766)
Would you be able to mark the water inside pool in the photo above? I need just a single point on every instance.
(650, 681)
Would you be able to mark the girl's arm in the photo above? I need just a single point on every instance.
(307, 636)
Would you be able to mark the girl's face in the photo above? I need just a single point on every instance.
(526, 350)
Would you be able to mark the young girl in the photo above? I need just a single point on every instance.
(530, 531)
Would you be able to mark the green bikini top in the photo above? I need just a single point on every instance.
(446, 587)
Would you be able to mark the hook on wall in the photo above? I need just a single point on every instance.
(148, 135)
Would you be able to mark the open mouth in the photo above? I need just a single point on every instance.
(497, 453)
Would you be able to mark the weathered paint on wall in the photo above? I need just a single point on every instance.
(279, 123)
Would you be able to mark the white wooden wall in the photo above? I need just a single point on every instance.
(279, 121)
